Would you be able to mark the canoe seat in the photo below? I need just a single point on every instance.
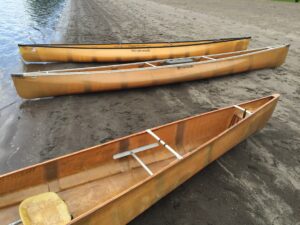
(44, 209)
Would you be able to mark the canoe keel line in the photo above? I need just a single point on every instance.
(114, 182)
(135, 75)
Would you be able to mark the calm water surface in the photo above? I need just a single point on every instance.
(23, 21)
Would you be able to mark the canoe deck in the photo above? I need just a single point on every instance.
(96, 187)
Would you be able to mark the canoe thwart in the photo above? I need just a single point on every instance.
(144, 148)
(142, 163)
(206, 57)
(245, 111)
(149, 64)
(178, 156)
(136, 150)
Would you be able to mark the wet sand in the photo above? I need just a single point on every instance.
(257, 182)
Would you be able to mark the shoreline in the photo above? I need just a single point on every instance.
(62, 25)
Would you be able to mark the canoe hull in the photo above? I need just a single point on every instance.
(44, 85)
(58, 53)
(132, 203)
(68, 175)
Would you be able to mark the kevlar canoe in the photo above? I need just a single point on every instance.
(112, 183)
(134, 75)
(128, 52)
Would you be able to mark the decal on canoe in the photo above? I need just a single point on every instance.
(185, 67)
(140, 50)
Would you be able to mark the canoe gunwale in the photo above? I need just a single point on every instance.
(69, 71)
(71, 46)
(272, 97)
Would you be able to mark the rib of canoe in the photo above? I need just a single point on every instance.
(94, 79)
(114, 182)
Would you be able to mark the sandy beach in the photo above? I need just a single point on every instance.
(257, 182)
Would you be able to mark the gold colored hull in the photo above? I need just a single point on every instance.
(128, 52)
(100, 189)
(106, 78)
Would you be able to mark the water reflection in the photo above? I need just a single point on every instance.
(23, 21)
(42, 11)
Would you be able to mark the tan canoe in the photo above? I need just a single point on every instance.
(114, 182)
(74, 81)
(128, 52)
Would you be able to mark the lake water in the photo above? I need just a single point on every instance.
(23, 21)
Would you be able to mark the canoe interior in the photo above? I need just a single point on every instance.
(133, 45)
(157, 63)
(91, 177)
